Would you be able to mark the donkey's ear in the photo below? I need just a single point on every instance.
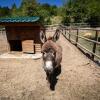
(56, 35)
(42, 37)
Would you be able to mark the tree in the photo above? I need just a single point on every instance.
(82, 11)
(4, 12)
(77, 11)
(28, 7)
(94, 13)
(14, 10)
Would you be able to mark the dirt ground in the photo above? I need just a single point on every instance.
(25, 79)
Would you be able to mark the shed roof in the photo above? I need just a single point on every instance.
(19, 19)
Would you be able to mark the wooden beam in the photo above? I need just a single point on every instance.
(20, 24)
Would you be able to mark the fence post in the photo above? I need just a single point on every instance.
(69, 33)
(65, 31)
(77, 36)
(62, 31)
(94, 45)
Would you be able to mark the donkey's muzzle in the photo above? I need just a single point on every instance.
(48, 66)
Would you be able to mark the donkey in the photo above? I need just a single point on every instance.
(52, 56)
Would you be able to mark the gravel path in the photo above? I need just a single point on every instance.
(25, 79)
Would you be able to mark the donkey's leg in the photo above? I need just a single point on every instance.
(47, 76)
(52, 81)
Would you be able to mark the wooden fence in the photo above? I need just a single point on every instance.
(65, 30)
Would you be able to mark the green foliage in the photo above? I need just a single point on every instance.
(83, 11)
(27, 7)
(14, 11)
(45, 11)
(4, 12)
(78, 11)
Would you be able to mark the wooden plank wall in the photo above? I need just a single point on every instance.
(28, 46)
(29, 35)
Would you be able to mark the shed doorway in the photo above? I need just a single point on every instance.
(15, 45)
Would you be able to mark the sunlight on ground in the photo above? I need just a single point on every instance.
(21, 55)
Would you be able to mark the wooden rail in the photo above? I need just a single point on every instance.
(95, 42)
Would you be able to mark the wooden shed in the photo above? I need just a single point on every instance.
(23, 34)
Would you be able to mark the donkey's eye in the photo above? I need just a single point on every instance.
(44, 53)
(53, 53)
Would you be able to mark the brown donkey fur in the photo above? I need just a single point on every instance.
(57, 48)
(52, 57)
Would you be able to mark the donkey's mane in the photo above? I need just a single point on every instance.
(49, 44)
(49, 38)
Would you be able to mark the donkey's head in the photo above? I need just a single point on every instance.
(54, 38)
(48, 50)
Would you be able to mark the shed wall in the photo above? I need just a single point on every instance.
(4, 46)
(23, 34)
